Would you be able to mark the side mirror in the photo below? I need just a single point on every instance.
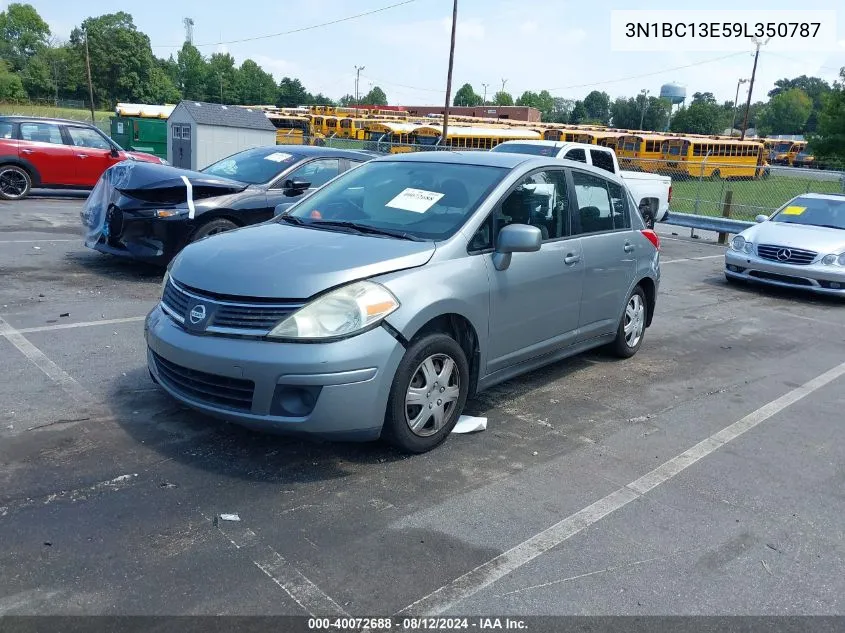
(515, 238)
(114, 153)
(296, 185)
(761, 218)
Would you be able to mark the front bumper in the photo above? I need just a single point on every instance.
(143, 238)
(345, 384)
(816, 278)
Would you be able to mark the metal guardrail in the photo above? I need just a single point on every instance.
(707, 222)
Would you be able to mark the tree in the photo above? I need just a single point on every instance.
(375, 96)
(786, 113)
(561, 109)
(502, 98)
(192, 73)
(700, 117)
(291, 93)
(22, 34)
(815, 88)
(221, 79)
(11, 88)
(466, 96)
(121, 58)
(160, 88)
(255, 86)
(704, 97)
(578, 113)
(597, 106)
(346, 101)
(828, 142)
(321, 99)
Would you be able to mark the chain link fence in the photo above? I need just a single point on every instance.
(730, 189)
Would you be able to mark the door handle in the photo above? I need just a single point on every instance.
(571, 259)
(629, 248)
(27, 151)
(81, 156)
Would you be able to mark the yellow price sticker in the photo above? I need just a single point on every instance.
(794, 210)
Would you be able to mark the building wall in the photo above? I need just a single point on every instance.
(519, 113)
(180, 115)
(216, 142)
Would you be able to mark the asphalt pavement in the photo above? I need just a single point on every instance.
(703, 476)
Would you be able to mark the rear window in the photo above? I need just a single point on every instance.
(526, 148)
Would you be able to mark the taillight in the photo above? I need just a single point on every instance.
(652, 237)
(670, 195)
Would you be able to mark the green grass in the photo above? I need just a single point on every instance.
(750, 197)
(100, 116)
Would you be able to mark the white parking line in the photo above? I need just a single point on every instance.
(67, 326)
(689, 259)
(292, 581)
(36, 241)
(50, 369)
(497, 568)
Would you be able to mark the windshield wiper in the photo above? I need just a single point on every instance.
(292, 219)
(367, 229)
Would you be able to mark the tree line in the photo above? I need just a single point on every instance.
(34, 65)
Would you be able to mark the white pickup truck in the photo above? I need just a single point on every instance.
(652, 192)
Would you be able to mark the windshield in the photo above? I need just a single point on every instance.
(782, 147)
(253, 166)
(674, 150)
(814, 212)
(424, 200)
(527, 148)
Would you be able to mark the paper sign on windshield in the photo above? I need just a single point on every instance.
(415, 200)
(278, 157)
(794, 210)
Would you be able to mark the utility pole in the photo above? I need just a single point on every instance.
(221, 87)
(358, 70)
(758, 44)
(736, 100)
(504, 81)
(88, 67)
(485, 93)
(644, 94)
(444, 136)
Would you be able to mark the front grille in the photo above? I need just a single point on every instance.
(221, 391)
(787, 279)
(248, 317)
(790, 255)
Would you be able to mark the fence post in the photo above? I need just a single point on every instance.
(726, 213)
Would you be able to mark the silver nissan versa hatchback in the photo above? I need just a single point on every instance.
(376, 306)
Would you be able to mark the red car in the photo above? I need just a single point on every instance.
(55, 153)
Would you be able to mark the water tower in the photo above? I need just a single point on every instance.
(676, 94)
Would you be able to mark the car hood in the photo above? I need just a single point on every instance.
(143, 157)
(288, 262)
(154, 182)
(812, 238)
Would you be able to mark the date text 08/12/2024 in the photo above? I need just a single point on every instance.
(417, 624)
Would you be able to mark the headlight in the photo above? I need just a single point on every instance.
(738, 243)
(829, 260)
(748, 247)
(164, 282)
(341, 312)
(841, 259)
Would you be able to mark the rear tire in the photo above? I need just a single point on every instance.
(631, 330)
(220, 225)
(15, 182)
(428, 394)
(716, 175)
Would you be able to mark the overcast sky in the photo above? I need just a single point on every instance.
(559, 45)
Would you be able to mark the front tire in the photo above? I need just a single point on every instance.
(428, 394)
(631, 330)
(15, 182)
(220, 225)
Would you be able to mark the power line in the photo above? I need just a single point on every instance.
(393, 83)
(798, 61)
(656, 72)
(299, 30)
(590, 85)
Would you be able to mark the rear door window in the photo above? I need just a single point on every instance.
(41, 133)
(577, 154)
(6, 130)
(602, 160)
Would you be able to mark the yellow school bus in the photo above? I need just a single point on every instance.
(640, 151)
(393, 136)
(604, 138)
(485, 137)
(350, 127)
(292, 130)
(713, 158)
(784, 152)
(426, 135)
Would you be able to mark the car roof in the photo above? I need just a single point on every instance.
(822, 196)
(481, 158)
(17, 118)
(315, 150)
(529, 141)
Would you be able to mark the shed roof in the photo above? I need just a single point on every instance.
(227, 116)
